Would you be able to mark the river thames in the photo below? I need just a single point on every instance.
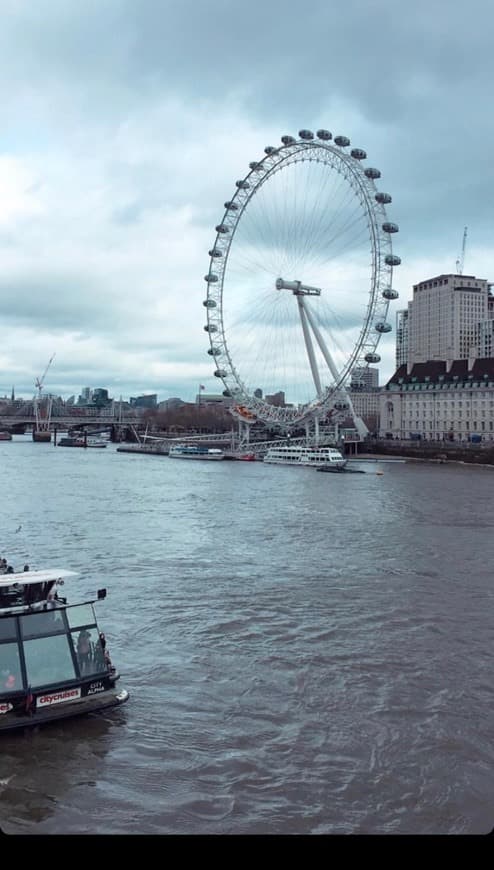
(305, 653)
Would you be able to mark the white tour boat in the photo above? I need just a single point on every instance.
(298, 455)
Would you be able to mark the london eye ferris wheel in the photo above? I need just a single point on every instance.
(300, 279)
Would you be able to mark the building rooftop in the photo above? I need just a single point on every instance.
(436, 370)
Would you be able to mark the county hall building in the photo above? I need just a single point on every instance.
(443, 386)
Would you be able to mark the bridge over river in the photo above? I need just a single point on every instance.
(129, 428)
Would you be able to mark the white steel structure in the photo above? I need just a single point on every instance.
(300, 279)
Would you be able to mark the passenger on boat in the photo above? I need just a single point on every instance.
(100, 654)
(84, 649)
(32, 593)
(26, 567)
(9, 570)
(8, 679)
(51, 593)
(3, 566)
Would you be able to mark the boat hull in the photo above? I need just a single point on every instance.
(198, 456)
(148, 450)
(41, 436)
(334, 464)
(96, 703)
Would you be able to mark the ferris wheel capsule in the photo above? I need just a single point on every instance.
(324, 135)
(383, 327)
(342, 141)
(358, 153)
(306, 134)
(288, 140)
(390, 294)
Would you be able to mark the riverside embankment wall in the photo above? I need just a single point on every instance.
(474, 454)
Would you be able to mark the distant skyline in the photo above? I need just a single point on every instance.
(125, 126)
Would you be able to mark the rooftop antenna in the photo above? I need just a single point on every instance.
(461, 261)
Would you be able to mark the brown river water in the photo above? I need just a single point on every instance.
(305, 653)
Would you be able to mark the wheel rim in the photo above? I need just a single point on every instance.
(310, 212)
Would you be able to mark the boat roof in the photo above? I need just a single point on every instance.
(32, 577)
(304, 447)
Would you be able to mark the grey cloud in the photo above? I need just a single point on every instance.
(55, 302)
(111, 90)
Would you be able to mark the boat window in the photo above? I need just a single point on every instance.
(48, 660)
(10, 668)
(41, 623)
(81, 614)
(7, 629)
(90, 654)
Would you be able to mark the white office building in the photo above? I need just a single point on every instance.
(402, 318)
(486, 338)
(365, 378)
(444, 318)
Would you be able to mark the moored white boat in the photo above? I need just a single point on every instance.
(154, 448)
(82, 441)
(186, 451)
(299, 455)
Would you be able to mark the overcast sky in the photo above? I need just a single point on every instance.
(125, 124)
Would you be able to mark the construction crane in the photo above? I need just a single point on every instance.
(42, 410)
(39, 381)
(461, 261)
